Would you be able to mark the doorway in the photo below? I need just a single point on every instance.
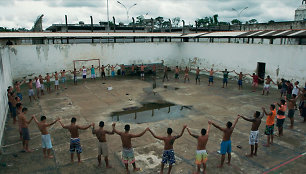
(261, 70)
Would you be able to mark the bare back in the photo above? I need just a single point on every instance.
(74, 130)
(227, 133)
(101, 135)
(256, 124)
(43, 128)
(126, 139)
(169, 141)
(202, 141)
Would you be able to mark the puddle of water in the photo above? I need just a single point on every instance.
(151, 112)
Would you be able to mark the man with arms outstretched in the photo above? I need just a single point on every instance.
(127, 151)
(201, 154)
(226, 145)
(102, 145)
(75, 144)
(168, 155)
(254, 135)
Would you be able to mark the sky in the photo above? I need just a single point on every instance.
(23, 13)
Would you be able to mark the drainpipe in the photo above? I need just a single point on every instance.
(91, 21)
(114, 21)
(196, 22)
(133, 24)
(152, 24)
(170, 27)
(66, 22)
(183, 26)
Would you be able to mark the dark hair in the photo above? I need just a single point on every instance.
(24, 109)
(297, 82)
(73, 120)
(18, 105)
(229, 124)
(101, 124)
(169, 131)
(42, 118)
(127, 127)
(273, 106)
(253, 73)
(17, 97)
(257, 114)
(283, 101)
(268, 76)
(203, 131)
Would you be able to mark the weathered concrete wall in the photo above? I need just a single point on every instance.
(40, 59)
(275, 26)
(5, 81)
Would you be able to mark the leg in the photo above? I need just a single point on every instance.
(292, 122)
(49, 153)
(204, 168)
(256, 147)
(127, 167)
(252, 150)
(79, 157)
(222, 161)
(268, 141)
(134, 166)
(162, 168)
(272, 139)
(106, 162)
(44, 151)
(71, 156)
(99, 160)
(170, 167)
(229, 157)
(198, 168)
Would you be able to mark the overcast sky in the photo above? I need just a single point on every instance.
(22, 13)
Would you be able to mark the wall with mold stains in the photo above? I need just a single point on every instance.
(5, 81)
(39, 59)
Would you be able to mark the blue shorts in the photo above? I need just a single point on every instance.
(226, 147)
(75, 145)
(63, 79)
(211, 79)
(168, 157)
(19, 95)
(14, 112)
(224, 80)
(46, 141)
(25, 133)
(113, 73)
(240, 82)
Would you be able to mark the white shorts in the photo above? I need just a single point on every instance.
(46, 141)
(267, 87)
(42, 87)
(102, 149)
(93, 76)
(31, 92)
(254, 137)
(56, 82)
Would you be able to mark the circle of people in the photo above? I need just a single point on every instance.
(291, 94)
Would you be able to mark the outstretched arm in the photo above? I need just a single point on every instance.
(114, 129)
(63, 126)
(193, 135)
(178, 136)
(247, 119)
(93, 131)
(30, 120)
(236, 121)
(157, 137)
(208, 129)
(85, 127)
(216, 126)
(35, 119)
(50, 124)
(139, 135)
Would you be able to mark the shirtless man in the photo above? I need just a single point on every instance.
(177, 72)
(24, 129)
(42, 86)
(113, 69)
(14, 109)
(31, 91)
(267, 85)
(165, 74)
(142, 69)
(38, 86)
(291, 108)
(133, 69)
(102, 145)
(122, 70)
(270, 124)
(225, 77)
(197, 78)
(56, 82)
(63, 76)
(10, 98)
(19, 108)
(75, 77)
(254, 135)
(154, 71)
(45, 136)
(226, 145)
(127, 151)
(240, 77)
(168, 155)
(17, 87)
(211, 76)
(201, 154)
(75, 144)
(186, 76)
(48, 83)
(103, 72)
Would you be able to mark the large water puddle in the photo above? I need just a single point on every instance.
(151, 112)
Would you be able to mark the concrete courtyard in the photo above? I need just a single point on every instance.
(90, 101)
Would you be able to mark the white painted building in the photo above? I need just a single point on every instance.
(300, 13)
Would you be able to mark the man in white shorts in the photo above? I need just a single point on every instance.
(31, 91)
(267, 85)
(45, 136)
(38, 86)
(254, 135)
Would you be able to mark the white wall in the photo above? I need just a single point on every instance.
(5, 81)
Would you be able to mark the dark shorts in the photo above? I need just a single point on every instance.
(84, 76)
(269, 130)
(283, 91)
(75, 79)
(291, 113)
(14, 112)
(211, 79)
(301, 105)
(176, 76)
(226, 147)
(75, 145)
(25, 133)
(168, 157)
(103, 74)
(10, 107)
(123, 73)
(154, 73)
(240, 82)
(197, 77)
(280, 122)
(304, 112)
(224, 80)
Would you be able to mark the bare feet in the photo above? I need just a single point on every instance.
(50, 157)
(72, 161)
(228, 163)
(220, 166)
(249, 155)
(136, 169)
(109, 167)
(29, 151)
(266, 145)
(79, 162)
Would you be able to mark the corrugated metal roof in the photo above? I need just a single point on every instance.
(224, 34)
(194, 34)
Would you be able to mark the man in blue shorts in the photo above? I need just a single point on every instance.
(226, 144)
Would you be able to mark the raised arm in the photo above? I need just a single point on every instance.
(247, 119)
(178, 136)
(236, 72)
(35, 119)
(84, 127)
(236, 121)
(93, 131)
(264, 111)
(216, 126)
(50, 124)
(114, 129)
(63, 126)
(157, 137)
(208, 129)
(139, 135)
(28, 122)
(193, 135)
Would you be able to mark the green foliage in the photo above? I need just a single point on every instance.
(236, 22)
(176, 21)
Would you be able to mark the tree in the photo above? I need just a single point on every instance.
(159, 21)
(166, 24)
(176, 21)
(236, 22)
(271, 21)
(215, 17)
(203, 22)
(253, 21)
